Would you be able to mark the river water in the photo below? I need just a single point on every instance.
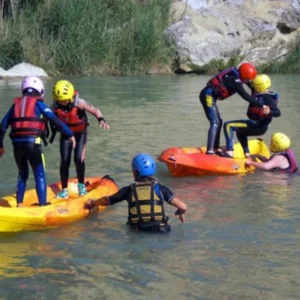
(242, 233)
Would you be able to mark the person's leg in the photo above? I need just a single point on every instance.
(23, 171)
(36, 161)
(252, 130)
(212, 114)
(79, 157)
(65, 148)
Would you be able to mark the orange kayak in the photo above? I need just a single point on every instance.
(194, 161)
(59, 212)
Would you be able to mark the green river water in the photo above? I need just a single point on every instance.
(241, 239)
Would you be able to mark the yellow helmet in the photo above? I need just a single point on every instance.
(261, 83)
(279, 142)
(63, 91)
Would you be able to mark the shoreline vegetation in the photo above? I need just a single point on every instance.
(97, 37)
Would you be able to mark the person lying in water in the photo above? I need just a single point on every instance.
(283, 159)
(145, 197)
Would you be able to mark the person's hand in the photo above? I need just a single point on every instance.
(104, 125)
(73, 141)
(1, 151)
(248, 162)
(181, 215)
(266, 110)
(89, 204)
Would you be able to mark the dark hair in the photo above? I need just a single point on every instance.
(31, 92)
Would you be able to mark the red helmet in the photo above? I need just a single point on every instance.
(247, 72)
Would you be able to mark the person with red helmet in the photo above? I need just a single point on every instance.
(225, 84)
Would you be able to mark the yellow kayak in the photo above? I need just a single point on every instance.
(58, 213)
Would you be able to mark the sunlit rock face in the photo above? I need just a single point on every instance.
(257, 30)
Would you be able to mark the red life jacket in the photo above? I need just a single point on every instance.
(71, 118)
(256, 113)
(24, 121)
(217, 84)
(290, 155)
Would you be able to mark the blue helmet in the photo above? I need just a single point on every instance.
(144, 165)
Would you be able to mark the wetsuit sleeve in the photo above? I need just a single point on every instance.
(274, 110)
(4, 125)
(121, 195)
(49, 115)
(235, 85)
(84, 105)
(165, 193)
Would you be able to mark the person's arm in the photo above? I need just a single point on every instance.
(3, 127)
(169, 197)
(236, 85)
(260, 157)
(52, 118)
(274, 110)
(119, 196)
(181, 208)
(84, 105)
(277, 161)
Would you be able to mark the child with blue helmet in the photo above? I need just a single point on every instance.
(145, 197)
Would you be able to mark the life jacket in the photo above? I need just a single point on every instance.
(216, 83)
(145, 207)
(290, 155)
(71, 117)
(24, 121)
(255, 112)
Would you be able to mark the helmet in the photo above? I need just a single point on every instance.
(261, 83)
(31, 84)
(143, 164)
(63, 91)
(279, 142)
(247, 72)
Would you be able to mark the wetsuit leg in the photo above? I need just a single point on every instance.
(22, 164)
(252, 130)
(36, 161)
(230, 128)
(212, 114)
(65, 148)
(79, 155)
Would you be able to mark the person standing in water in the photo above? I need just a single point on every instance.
(145, 197)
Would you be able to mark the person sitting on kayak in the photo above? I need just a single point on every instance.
(259, 118)
(26, 119)
(284, 158)
(145, 197)
(220, 87)
(71, 110)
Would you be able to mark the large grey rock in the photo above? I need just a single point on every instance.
(258, 30)
(25, 69)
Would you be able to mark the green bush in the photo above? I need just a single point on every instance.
(88, 36)
(291, 64)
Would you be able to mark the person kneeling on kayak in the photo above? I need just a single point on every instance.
(26, 117)
(284, 158)
(145, 197)
(259, 118)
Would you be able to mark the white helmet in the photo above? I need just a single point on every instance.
(33, 82)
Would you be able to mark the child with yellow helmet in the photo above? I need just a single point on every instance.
(71, 110)
(260, 116)
(284, 158)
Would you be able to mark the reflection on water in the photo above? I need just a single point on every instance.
(241, 238)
